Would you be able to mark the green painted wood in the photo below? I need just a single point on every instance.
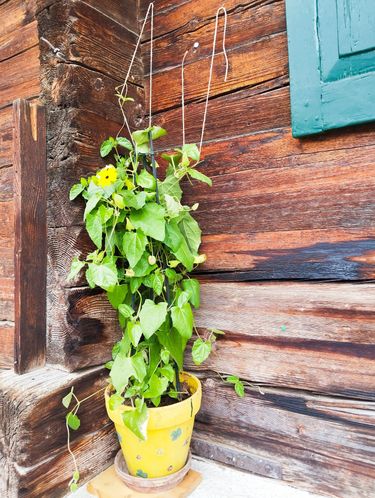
(332, 63)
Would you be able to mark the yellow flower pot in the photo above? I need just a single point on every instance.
(168, 436)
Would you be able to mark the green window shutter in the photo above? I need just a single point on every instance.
(331, 63)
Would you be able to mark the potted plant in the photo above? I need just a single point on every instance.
(146, 244)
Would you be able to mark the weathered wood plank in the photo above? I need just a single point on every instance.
(172, 15)
(328, 341)
(82, 328)
(329, 254)
(247, 69)
(262, 108)
(36, 462)
(334, 193)
(7, 285)
(30, 235)
(75, 154)
(18, 41)
(75, 87)
(70, 25)
(125, 13)
(6, 136)
(20, 77)
(318, 443)
(6, 344)
(261, 19)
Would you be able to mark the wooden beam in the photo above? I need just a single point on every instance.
(30, 235)
(316, 337)
(319, 443)
(34, 458)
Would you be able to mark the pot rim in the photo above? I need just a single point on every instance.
(156, 410)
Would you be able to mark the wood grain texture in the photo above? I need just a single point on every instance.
(18, 41)
(6, 136)
(260, 18)
(6, 344)
(34, 457)
(30, 235)
(82, 327)
(318, 443)
(327, 345)
(70, 25)
(246, 69)
(20, 77)
(251, 110)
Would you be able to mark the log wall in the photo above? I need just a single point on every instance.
(289, 231)
(79, 94)
(20, 78)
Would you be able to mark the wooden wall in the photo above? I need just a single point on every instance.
(289, 231)
(20, 78)
(79, 94)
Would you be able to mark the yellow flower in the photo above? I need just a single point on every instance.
(106, 176)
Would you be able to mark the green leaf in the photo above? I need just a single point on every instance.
(152, 316)
(125, 310)
(232, 379)
(201, 351)
(73, 421)
(168, 372)
(192, 151)
(200, 176)
(139, 365)
(143, 267)
(192, 286)
(68, 398)
(150, 220)
(135, 283)
(75, 268)
(156, 387)
(136, 201)
(73, 487)
(190, 229)
(76, 475)
(173, 207)
(185, 255)
(170, 186)
(146, 180)
(140, 137)
(157, 132)
(173, 342)
(103, 275)
(182, 299)
(115, 401)
(137, 420)
(91, 203)
(118, 200)
(134, 245)
(105, 213)
(107, 146)
(173, 236)
(157, 283)
(240, 389)
(164, 355)
(94, 228)
(172, 275)
(134, 331)
(124, 142)
(75, 191)
(121, 372)
(117, 295)
(183, 320)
